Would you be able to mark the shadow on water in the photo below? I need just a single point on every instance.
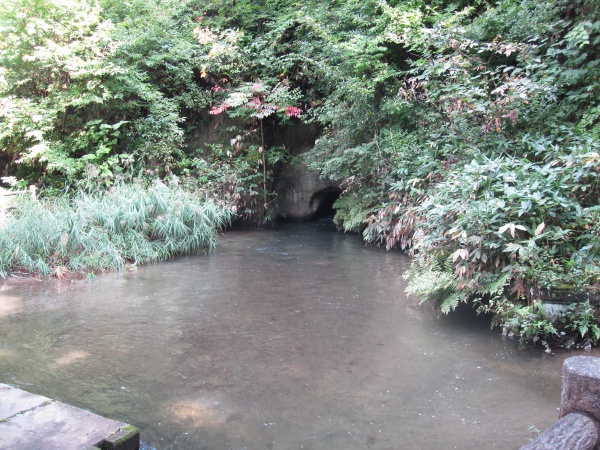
(465, 318)
(299, 337)
(325, 200)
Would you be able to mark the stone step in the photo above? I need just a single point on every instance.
(29, 422)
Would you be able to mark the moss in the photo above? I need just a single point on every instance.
(130, 429)
(121, 438)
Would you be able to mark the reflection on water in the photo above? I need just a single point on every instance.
(288, 339)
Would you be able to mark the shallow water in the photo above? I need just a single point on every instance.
(287, 339)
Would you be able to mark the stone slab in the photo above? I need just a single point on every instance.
(15, 401)
(52, 425)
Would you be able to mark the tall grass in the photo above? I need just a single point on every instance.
(127, 225)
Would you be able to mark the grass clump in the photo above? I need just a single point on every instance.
(105, 231)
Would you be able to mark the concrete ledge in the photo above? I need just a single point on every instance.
(29, 422)
(127, 438)
(15, 401)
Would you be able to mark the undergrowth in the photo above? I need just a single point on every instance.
(106, 231)
(570, 326)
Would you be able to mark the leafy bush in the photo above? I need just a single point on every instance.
(575, 325)
(514, 216)
(530, 323)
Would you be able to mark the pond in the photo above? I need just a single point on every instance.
(296, 338)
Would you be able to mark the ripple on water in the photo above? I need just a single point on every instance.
(295, 338)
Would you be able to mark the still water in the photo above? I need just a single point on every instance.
(298, 338)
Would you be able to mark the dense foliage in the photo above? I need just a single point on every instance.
(463, 132)
(481, 155)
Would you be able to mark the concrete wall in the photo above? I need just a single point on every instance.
(300, 190)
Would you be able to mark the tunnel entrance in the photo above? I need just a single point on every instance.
(324, 200)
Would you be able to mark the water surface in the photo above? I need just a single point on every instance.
(298, 338)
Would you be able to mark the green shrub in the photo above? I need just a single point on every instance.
(529, 323)
(576, 325)
(516, 216)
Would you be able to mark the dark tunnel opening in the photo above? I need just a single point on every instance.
(325, 200)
